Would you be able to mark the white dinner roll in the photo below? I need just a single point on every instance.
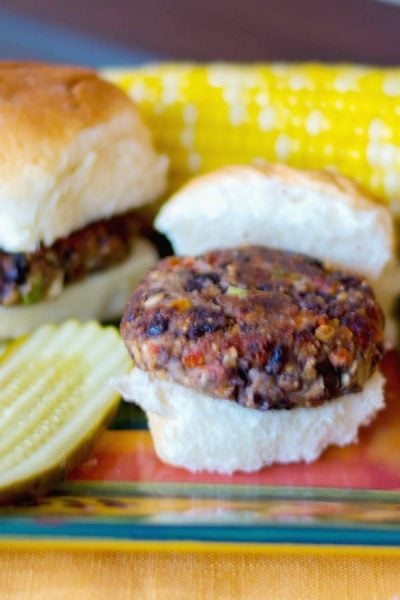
(73, 149)
(321, 214)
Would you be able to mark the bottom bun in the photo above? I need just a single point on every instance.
(101, 296)
(201, 433)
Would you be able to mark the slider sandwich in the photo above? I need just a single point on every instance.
(76, 162)
(260, 342)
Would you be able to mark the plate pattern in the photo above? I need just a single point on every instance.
(351, 496)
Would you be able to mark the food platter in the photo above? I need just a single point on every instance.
(123, 496)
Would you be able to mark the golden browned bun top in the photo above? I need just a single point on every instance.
(50, 101)
(73, 149)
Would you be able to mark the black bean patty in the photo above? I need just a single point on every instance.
(26, 278)
(266, 328)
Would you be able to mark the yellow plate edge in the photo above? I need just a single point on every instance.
(197, 547)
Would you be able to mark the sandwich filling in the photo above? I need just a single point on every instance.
(266, 328)
(27, 278)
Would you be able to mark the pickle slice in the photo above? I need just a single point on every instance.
(55, 398)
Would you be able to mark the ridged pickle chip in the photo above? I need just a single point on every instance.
(55, 398)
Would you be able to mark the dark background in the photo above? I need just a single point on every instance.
(355, 30)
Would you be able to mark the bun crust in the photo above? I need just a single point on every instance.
(51, 102)
(321, 214)
(73, 149)
(201, 433)
(324, 182)
(100, 296)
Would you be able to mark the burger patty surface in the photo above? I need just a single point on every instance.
(266, 328)
(26, 278)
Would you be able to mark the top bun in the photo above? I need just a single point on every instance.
(73, 149)
(320, 214)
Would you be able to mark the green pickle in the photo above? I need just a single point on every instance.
(55, 397)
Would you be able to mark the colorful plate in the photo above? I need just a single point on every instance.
(124, 495)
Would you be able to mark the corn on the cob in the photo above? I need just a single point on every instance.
(307, 115)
